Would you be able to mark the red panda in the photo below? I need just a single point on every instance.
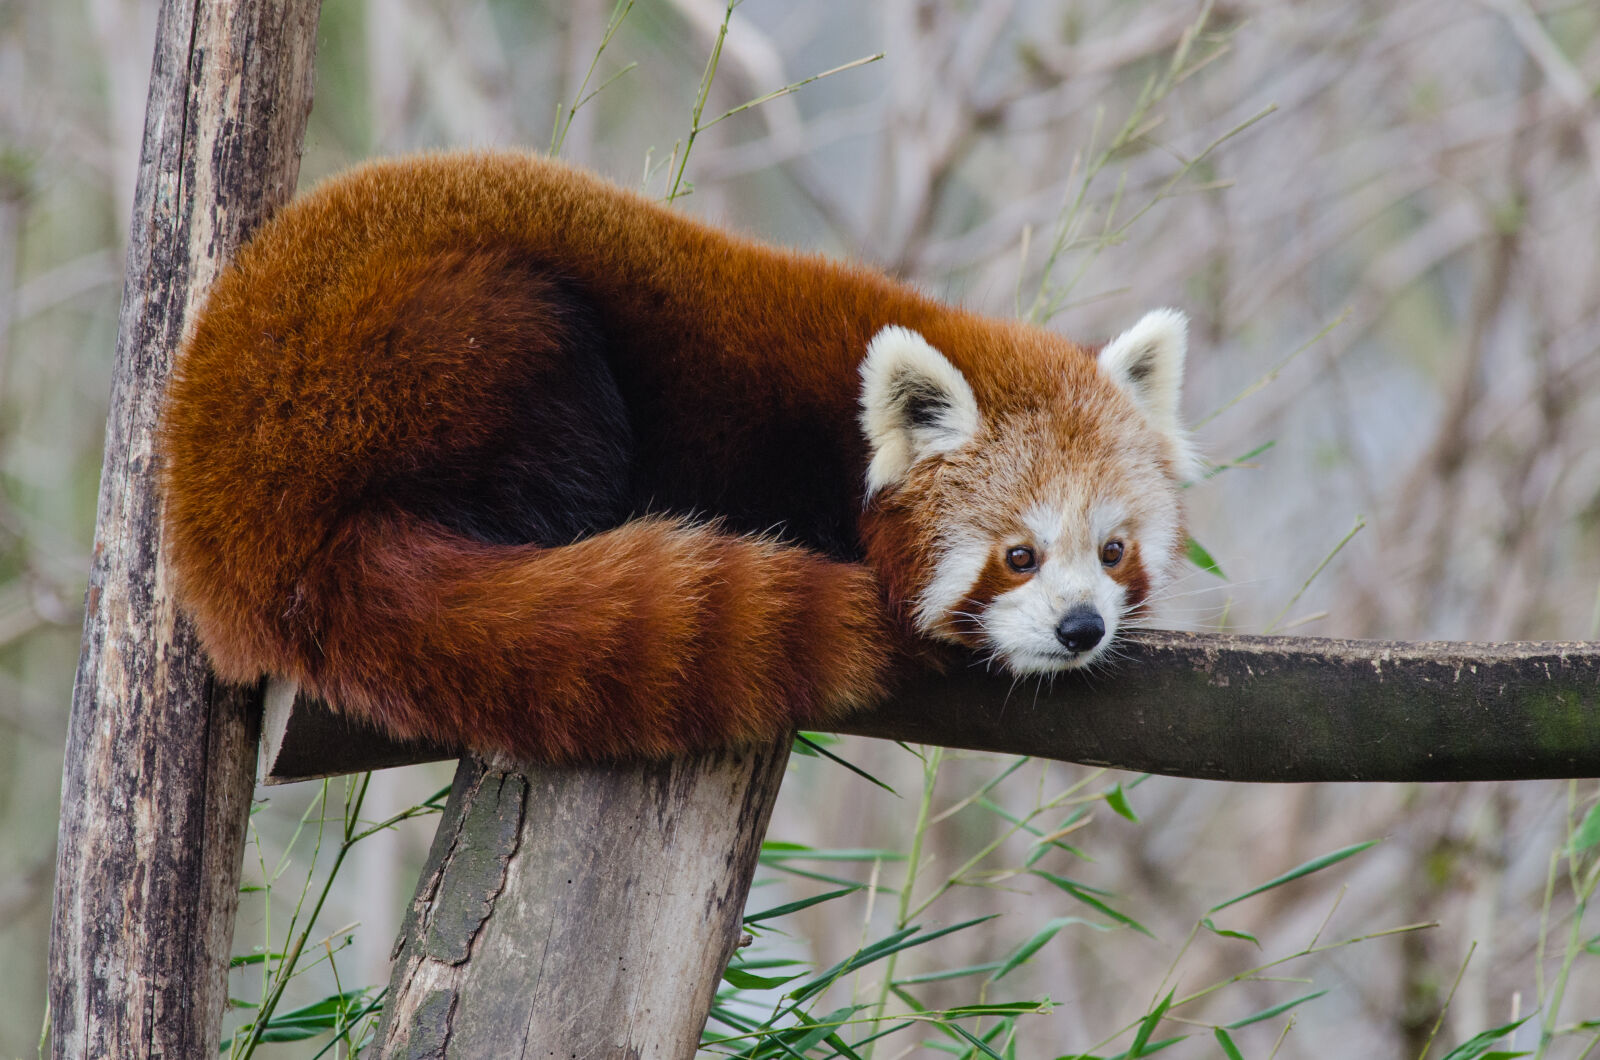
(487, 451)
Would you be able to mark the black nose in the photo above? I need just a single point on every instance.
(1081, 629)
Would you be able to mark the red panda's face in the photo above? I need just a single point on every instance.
(1032, 529)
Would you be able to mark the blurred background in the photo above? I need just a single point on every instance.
(1383, 219)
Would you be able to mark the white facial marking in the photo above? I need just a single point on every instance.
(1106, 519)
(1146, 361)
(1068, 534)
(961, 560)
(914, 404)
(1022, 623)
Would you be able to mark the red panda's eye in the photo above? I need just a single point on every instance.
(1021, 559)
(1111, 553)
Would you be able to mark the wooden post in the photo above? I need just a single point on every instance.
(160, 762)
(579, 912)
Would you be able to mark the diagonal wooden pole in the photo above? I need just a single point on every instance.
(160, 762)
(1213, 705)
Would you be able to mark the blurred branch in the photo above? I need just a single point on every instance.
(1569, 84)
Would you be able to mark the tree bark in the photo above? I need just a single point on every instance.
(160, 761)
(579, 912)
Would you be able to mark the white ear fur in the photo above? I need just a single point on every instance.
(1146, 361)
(914, 404)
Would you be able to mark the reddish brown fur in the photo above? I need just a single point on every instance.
(395, 326)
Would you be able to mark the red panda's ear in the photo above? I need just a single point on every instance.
(914, 404)
(1146, 361)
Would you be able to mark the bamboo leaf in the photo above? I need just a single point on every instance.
(900, 940)
(1119, 802)
(777, 851)
(818, 749)
(1477, 1047)
(1275, 1010)
(1588, 833)
(949, 973)
(1229, 1050)
(796, 906)
(1078, 891)
(1314, 865)
(996, 1008)
(1225, 933)
(1153, 1048)
(1147, 1026)
(977, 1043)
(1202, 559)
(252, 958)
(1034, 944)
(750, 981)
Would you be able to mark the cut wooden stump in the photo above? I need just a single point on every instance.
(579, 912)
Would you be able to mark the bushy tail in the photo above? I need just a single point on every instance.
(651, 639)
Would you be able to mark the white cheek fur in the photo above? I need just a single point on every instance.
(961, 560)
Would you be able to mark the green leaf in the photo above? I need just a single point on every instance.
(1147, 1026)
(1153, 1048)
(333, 1003)
(1119, 802)
(818, 749)
(996, 1008)
(1149, 1050)
(1078, 891)
(796, 906)
(750, 981)
(949, 973)
(243, 959)
(894, 943)
(775, 851)
(276, 1032)
(1275, 1010)
(1477, 1047)
(1588, 833)
(1229, 1050)
(1034, 944)
(1238, 461)
(1202, 559)
(840, 1048)
(820, 1029)
(977, 1043)
(1225, 933)
(1314, 865)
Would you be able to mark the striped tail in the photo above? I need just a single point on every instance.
(653, 639)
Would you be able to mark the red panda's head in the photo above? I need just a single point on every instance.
(1026, 512)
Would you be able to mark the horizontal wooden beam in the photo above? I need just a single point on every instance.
(1217, 706)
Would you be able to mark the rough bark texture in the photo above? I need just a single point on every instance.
(1196, 705)
(582, 912)
(160, 762)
